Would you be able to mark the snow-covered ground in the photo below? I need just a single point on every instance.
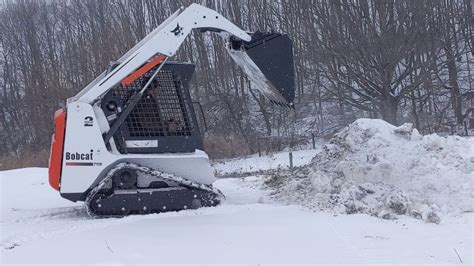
(37, 226)
(254, 164)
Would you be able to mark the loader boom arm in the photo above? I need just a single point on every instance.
(165, 40)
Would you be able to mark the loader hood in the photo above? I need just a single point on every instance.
(267, 60)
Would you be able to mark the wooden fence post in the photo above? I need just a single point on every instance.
(291, 159)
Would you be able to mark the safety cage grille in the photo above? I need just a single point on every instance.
(162, 110)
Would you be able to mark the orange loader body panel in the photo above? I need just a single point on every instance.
(57, 145)
(142, 70)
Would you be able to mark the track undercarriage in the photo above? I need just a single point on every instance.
(129, 188)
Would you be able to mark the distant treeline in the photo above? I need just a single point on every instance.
(399, 60)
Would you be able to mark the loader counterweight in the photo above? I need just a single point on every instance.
(57, 146)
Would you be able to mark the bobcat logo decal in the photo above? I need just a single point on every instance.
(177, 30)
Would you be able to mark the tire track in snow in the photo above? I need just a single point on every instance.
(29, 225)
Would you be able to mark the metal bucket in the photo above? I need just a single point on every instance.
(267, 60)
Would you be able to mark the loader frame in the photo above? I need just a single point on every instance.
(90, 141)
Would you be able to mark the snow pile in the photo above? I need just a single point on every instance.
(376, 168)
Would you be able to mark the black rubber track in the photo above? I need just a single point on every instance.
(144, 201)
(116, 201)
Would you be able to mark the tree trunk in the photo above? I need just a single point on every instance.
(388, 109)
(454, 87)
(414, 111)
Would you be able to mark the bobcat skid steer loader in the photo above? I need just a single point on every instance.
(129, 142)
